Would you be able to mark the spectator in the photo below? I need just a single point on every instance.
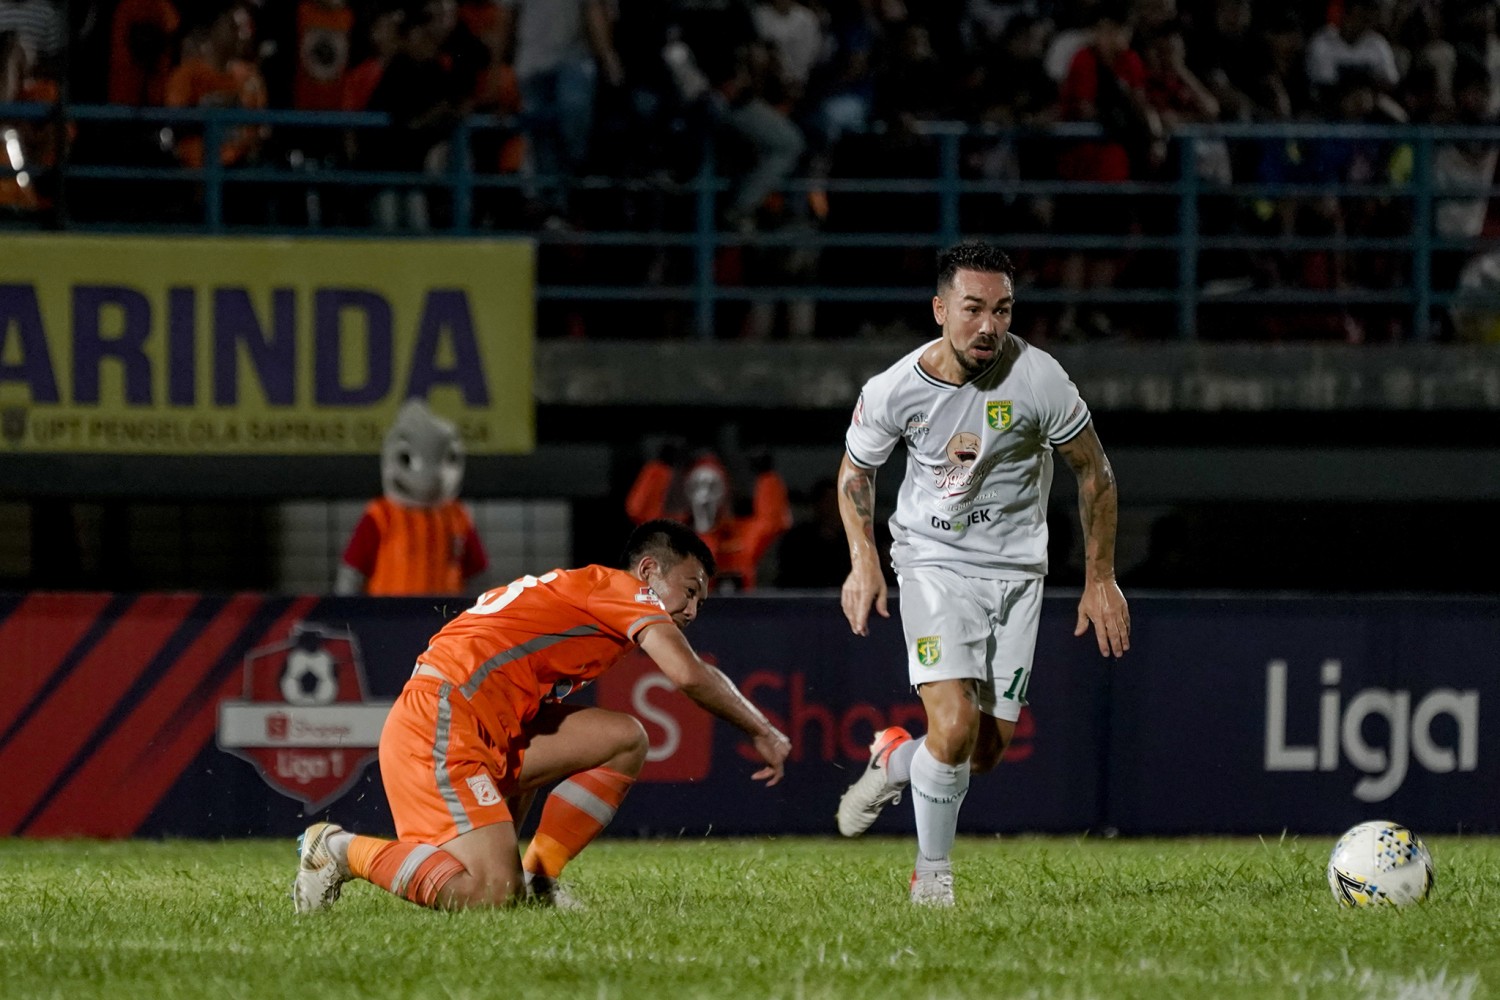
(384, 41)
(1176, 93)
(721, 49)
(215, 73)
(1469, 165)
(496, 89)
(418, 93)
(142, 39)
(699, 495)
(846, 90)
(1012, 85)
(1354, 43)
(1473, 29)
(561, 48)
(914, 84)
(1421, 47)
(1105, 84)
(1278, 86)
(1223, 53)
(795, 38)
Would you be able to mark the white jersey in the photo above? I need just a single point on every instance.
(979, 459)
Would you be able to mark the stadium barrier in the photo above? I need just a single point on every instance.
(243, 715)
(1254, 171)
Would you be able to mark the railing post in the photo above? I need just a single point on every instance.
(213, 174)
(1187, 237)
(948, 221)
(461, 174)
(703, 244)
(1422, 232)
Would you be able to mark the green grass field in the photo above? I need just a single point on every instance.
(788, 918)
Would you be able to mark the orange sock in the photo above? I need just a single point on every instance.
(412, 871)
(574, 814)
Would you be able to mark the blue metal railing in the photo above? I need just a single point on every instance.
(461, 185)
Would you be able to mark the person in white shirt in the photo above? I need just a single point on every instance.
(1353, 44)
(980, 411)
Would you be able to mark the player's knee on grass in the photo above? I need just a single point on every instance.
(470, 893)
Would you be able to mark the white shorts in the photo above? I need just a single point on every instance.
(959, 627)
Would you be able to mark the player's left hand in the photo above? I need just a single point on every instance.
(774, 748)
(1104, 605)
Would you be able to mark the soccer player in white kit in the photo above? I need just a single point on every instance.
(980, 411)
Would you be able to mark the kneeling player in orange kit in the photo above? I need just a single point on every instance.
(479, 727)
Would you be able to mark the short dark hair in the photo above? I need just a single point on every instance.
(670, 542)
(972, 255)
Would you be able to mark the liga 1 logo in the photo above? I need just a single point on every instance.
(306, 721)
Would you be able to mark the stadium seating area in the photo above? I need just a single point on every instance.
(1069, 116)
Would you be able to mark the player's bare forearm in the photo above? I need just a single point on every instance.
(1098, 502)
(1102, 603)
(707, 685)
(865, 585)
(700, 681)
(857, 508)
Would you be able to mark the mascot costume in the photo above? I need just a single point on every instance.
(701, 498)
(417, 539)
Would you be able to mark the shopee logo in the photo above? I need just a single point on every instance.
(680, 733)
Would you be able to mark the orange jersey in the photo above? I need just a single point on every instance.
(196, 83)
(540, 638)
(415, 550)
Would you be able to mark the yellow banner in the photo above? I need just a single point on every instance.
(177, 346)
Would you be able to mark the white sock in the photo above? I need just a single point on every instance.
(898, 764)
(937, 792)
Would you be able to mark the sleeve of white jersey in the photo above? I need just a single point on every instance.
(1061, 411)
(872, 432)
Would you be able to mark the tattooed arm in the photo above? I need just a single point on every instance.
(865, 584)
(1098, 510)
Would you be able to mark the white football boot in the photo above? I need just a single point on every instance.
(932, 889)
(862, 803)
(320, 872)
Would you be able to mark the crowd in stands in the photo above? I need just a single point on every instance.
(803, 88)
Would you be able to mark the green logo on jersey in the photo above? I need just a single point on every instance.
(997, 412)
(929, 650)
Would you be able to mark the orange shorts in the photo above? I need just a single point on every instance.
(442, 776)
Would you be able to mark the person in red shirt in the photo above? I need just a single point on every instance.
(480, 726)
(1106, 85)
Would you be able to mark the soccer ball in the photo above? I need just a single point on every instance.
(1380, 863)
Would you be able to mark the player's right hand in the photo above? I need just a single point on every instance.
(774, 748)
(864, 586)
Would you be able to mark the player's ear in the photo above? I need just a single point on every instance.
(939, 309)
(645, 566)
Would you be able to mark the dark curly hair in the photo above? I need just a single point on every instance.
(972, 255)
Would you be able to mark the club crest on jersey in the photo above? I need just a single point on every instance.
(648, 596)
(929, 650)
(997, 412)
